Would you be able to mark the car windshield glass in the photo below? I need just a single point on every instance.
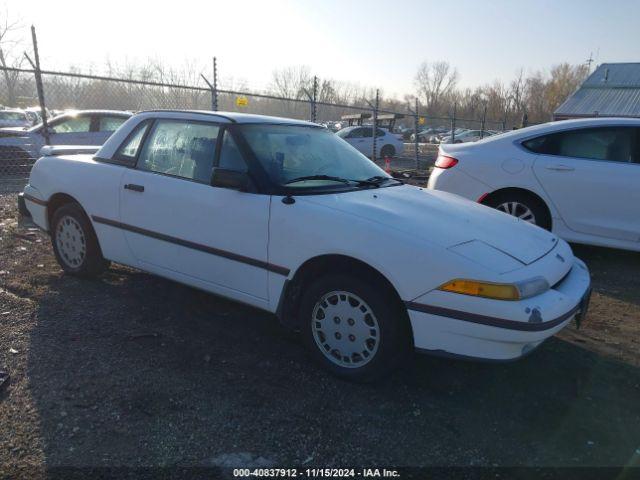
(310, 157)
(12, 116)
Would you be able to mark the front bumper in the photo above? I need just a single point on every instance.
(440, 328)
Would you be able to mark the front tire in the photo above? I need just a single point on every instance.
(354, 328)
(75, 243)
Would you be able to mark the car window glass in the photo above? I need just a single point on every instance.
(355, 133)
(230, 156)
(73, 125)
(366, 132)
(109, 124)
(179, 148)
(379, 132)
(607, 143)
(129, 149)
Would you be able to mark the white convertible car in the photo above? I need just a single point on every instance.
(577, 178)
(287, 217)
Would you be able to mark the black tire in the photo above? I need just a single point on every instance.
(535, 205)
(393, 340)
(387, 151)
(91, 263)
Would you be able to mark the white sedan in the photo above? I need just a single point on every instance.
(361, 137)
(577, 178)
(286, 216)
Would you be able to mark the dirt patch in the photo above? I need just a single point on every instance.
(132, 370)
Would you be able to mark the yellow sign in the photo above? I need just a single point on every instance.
(420, 120)
(242, 101)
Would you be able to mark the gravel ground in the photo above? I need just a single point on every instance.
(133, 370)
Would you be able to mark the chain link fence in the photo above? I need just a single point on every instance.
(63, 91)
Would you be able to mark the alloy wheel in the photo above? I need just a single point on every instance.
(518, 210)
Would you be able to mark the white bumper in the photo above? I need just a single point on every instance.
(37, 206)
(455, 180)
(509, 333)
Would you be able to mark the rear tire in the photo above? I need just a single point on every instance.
(526, 207)
(387, 151)
(353, 327)
(75, 243)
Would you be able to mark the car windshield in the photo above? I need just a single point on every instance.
(12, 116)
(310, 157)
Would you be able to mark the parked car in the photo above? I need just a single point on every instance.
(361, 137)
(14, 118)
(286, 216)
(466, 136)
(427, 135)
(85, 127)
(577, 178)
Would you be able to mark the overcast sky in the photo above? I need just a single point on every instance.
(371, 42)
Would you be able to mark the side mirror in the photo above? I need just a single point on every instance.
(231, 179)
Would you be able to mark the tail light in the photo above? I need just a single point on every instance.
(444, 161)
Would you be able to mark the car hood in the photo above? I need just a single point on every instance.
(443, 218)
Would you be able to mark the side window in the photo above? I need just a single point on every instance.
(230, 156)
(379, 132)
(607, 143)
(73, 125)
(109, 124)
(355, 133)
(366, 132)
(129, 149)
(180, 148)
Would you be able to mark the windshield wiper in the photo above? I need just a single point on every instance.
(318, 177)
(375, 181)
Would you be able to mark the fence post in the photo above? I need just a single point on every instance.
(214, 90)
(416, 120)
(525, 119)
(314, 99)
(39, 87)
(453, 124)
(376, 106)
(484, 121)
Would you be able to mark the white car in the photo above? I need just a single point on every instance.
(14, 119)
(467, 136)
(578, 178)
(285, 216)
(84, 127)
(360, 137)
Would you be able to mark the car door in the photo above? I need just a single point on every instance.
(593, 178)
(178, 225)
(103, 127)
(356, 139)
(73, 130)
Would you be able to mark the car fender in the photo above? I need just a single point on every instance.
(304, 230)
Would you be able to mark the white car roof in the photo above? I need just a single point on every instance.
(565, 125)
(233, 117)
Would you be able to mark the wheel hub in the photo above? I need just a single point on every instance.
(70, 241)
(345, 329)
(518, 210)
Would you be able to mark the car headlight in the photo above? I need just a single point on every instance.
(498, 291)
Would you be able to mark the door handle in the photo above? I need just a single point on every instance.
(134, 187)
(560, 168)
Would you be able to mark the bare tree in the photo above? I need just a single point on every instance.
(434, 81)
(8, 45)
